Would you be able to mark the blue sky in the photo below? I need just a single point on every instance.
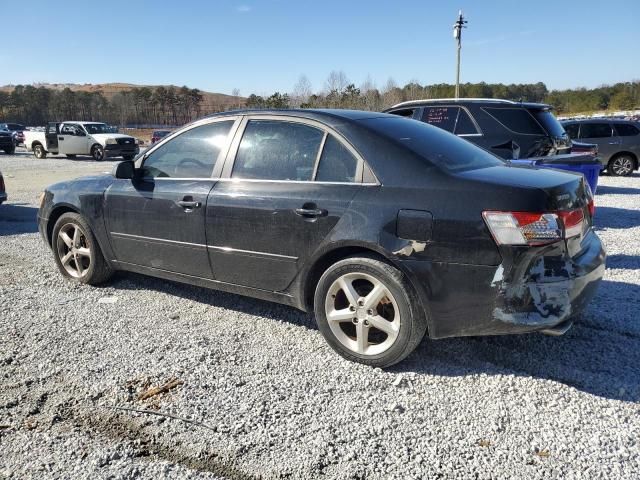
(264, 46)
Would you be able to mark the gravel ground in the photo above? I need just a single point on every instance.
(263, 396)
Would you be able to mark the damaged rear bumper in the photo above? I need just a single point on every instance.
(532, 292)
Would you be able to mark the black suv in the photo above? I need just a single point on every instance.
(509, 129)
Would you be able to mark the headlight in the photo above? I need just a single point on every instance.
(41, 198)
(111, 141)
(137, 142)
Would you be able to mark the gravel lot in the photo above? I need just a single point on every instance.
(267, 398)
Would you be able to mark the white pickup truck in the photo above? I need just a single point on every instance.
(80, 138)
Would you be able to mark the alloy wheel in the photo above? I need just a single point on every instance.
(73, 250)
(362, 314)
(622, 166)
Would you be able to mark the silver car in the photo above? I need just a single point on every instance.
(618, 142)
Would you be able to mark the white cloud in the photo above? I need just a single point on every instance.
(243, 9)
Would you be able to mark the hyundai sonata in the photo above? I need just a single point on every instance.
(387, 228)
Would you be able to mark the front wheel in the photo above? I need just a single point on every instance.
(97, 152)
(39, 151)
(77, 253)
(10, 150)
(366, 311)
(621, 166)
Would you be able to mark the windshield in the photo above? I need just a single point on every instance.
(549, 122)
(441, 148)
(96, 128)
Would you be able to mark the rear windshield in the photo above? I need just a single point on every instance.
(548, 121)
(442, 148)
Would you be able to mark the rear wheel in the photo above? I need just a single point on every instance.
(39, 151)
(77, 253)
(10, 150)
(621, 166)
(366, 311)
(97, 152)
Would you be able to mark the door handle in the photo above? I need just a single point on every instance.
(60, 138)
(187, 204)
(311, 212)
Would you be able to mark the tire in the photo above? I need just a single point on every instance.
(70, 155)
(39, 151)
(10, 150)
(97, 152)
(78, 258)
(621, 165)
(128, 157)
(354, 333)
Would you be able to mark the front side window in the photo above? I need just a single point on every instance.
(626, 130)
(337, 163)
(69, 129)
(192, 154)
(277, 150)
(595, 130)
(518, 120)
(572, 129)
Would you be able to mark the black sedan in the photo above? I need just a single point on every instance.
(386, 227)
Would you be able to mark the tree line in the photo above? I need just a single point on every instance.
(176, 106)
(339, 92)
(144, 105)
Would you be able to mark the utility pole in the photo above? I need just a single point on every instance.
(457, 34)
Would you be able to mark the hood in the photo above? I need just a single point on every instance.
(104, 136)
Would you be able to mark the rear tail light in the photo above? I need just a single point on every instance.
(592, 207)
(532, 228)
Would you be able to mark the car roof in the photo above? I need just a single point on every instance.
(600, 120)
(494, 101)
(321, 114)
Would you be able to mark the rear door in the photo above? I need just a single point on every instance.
(157, 220)
(285, 186)
(601, 133)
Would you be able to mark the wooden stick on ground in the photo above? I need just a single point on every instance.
(161, 389)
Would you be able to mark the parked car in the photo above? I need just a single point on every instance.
(17, 129)
(385, 227)
(7, 141)
(159, 135)
(527, 134)
(511, 130)
(3, 190)
(618, 142)
(81, 138)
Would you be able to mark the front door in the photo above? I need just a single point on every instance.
(51, 137)
(602, 135)
(72, 140)
(289, 185)
(157, 220)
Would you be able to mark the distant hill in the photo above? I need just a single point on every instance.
(110, 89)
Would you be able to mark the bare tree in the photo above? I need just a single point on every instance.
(391, 94)
(301, 91)
(235, 93)
(371, 99)
(336, 82)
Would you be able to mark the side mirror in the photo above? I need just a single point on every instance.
(80, 133)
(124, 170)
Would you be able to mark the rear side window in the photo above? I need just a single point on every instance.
(192, 154)
(595, 130)
(435, 146)
(518, 120)
(277, 150)
(441, 117)
(572, 129)
(337, 163)
(405, 112)
(626, 129)
(549, 121)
